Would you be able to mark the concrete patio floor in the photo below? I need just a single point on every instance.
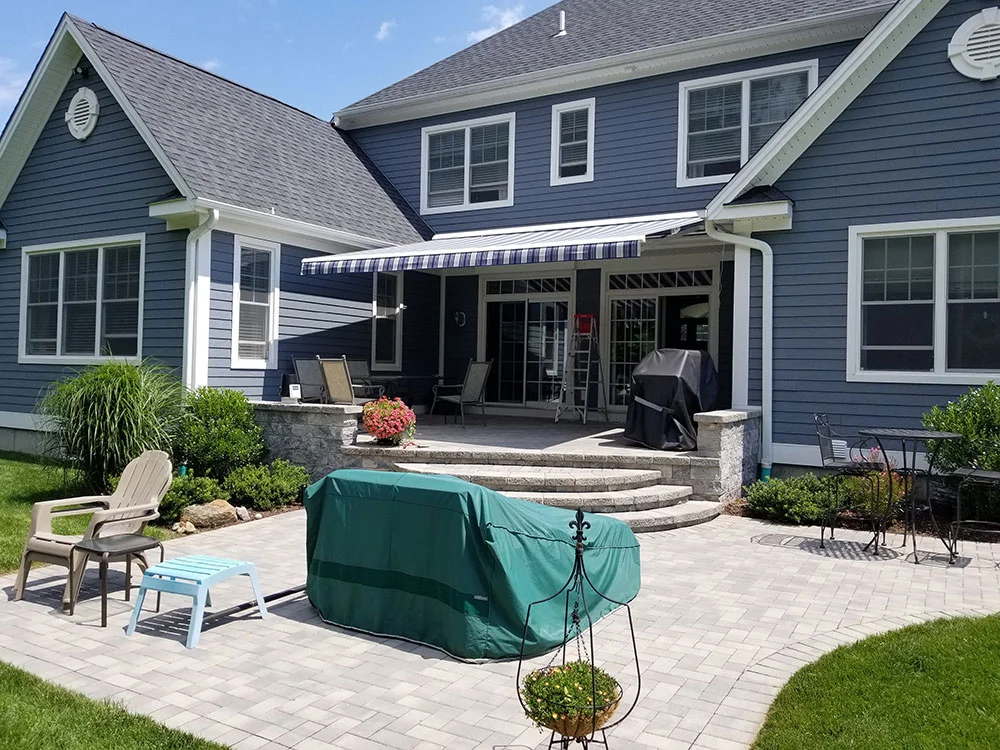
(728, 610)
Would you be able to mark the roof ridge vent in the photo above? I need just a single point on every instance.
(562, 25)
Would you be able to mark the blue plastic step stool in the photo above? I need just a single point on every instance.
(193, 575)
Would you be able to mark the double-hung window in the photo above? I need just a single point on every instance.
(255, 304)
(468, 165)
(387, 321)
(724, 120)
(924, 302)
(572, 157)
(82, 302)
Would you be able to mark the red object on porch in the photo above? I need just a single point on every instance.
(584, 323)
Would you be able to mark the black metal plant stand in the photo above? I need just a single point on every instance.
(574, 589)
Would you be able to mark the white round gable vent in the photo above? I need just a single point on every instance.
(82, 114)
(975, 48)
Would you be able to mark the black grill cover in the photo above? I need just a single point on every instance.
(670, 386)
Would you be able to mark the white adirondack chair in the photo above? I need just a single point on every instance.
(133, 505)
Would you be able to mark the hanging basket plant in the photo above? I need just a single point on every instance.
(389, 421)
(574, 700)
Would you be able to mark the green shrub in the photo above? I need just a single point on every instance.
(189, 490)
(266, 487)
(219, 434)
(793, 500)
(975, 416)
(104, 416)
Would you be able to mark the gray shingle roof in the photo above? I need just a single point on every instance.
(237, 146)
(603, 28)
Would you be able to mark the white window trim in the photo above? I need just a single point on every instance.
(745, 77)
(397, 364)
(60, 247)
(426, 133)
(855, 274)
(271, 363)
(555, 153)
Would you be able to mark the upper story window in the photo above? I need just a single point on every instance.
(82, 302)
(724, 120)
(255, 304)
(468, 165)
(925, 302)
(572, 157)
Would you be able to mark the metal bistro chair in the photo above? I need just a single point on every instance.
(310, 377)
(361, 380)
(837, 456)
(471, 391)
(337, 381)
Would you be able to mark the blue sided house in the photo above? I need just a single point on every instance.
(809, 191)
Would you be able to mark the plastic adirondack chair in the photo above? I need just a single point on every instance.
(471, 391)
(338, 383)
(361, 379)
(134, 504)
(310, 378)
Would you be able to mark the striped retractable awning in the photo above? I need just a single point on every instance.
(620, 238)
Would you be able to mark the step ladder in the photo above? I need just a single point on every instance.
(583, 357)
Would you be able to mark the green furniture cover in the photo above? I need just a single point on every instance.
(443, 562)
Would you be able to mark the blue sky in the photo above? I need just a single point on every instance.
(318, 55)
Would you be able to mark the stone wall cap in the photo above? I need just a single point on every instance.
(728, 416)
(286, 406)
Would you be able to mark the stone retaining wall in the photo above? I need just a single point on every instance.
(310, 435)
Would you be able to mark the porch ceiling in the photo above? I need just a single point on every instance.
(579, 241)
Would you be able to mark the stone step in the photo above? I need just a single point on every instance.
(643, 498)
(685, 514)
(545, 479)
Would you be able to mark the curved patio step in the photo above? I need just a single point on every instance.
(545, 479)
(643, 498)
(685, 514)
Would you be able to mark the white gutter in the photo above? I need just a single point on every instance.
(766, 334)
(193, 311)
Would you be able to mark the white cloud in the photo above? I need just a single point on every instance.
(211, 65)
(498, 20)
(440, 39)
(12, 81)
(384, 30)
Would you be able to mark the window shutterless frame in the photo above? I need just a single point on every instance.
(61, 248)
(555, 158)
(271, 329)
(397, 347)
(744, 78)
(466, 126)
(940, 230)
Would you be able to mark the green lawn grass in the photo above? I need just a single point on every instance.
(36, 715)
(935, 685)
(24, 481)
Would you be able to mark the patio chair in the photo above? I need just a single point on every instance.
(338, 384)
(361, 379)
(471, 391)
(134, 504)
(837, 456)
(310, 378)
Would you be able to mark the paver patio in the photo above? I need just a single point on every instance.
(727, 611)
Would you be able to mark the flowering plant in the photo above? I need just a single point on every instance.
(389, 421)
(574, 699)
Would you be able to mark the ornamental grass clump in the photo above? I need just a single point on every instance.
(573, 699)
(390, 421)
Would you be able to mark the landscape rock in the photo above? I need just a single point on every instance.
(257, 516)
(242, 513)
(187, 527)
(210, 515)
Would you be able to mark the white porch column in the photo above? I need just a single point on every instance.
(741, 327)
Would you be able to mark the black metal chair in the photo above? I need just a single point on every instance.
(841, 460)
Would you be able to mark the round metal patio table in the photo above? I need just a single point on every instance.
(911, 440)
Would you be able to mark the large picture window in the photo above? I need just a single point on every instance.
(468, 165)
(724, 120)
(925, 302)
(255, 304)
(82, 303)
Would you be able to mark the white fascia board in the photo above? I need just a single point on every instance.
(266, 226)
(834, 27)
(766, 210)
(858, 70)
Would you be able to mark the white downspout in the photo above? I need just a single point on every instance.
(191, 310)
(766, 334)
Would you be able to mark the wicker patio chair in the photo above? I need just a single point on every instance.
(134, 504)
(471, 391)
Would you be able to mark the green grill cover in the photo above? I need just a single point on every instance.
(443, 562)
